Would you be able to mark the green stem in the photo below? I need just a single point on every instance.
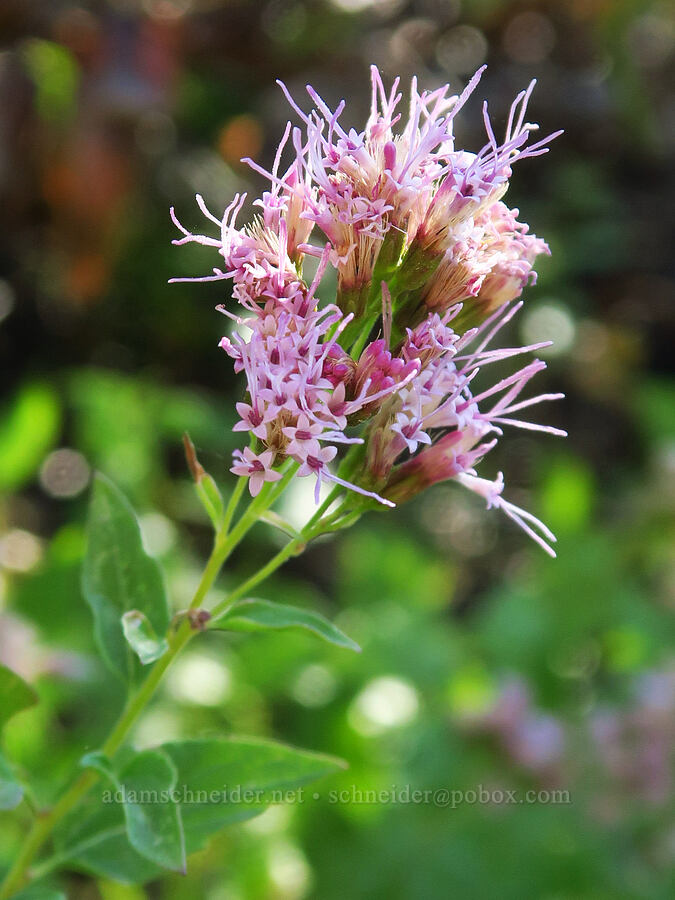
(225, 543)
(313, 528)
(327, 503)
(235, 497)
(341, 515)
(362, 337)
(223, 546)
(46, 822)
(341, 510)
(289, 550)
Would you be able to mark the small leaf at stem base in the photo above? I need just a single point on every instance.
(141, 637)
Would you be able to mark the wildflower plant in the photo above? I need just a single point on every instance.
(372, 396)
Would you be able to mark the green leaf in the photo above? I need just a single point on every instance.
(40, 892)
(219, 781)
(257, 615)
(277, 521)
(152, 815)
(16, 695)
(141, 637)
(95, 840)
(227, 780)
(119, 576)
(11, 792)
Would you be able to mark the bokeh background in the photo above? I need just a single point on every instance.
(484, 662)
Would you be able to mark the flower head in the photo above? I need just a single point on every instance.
(429, 264)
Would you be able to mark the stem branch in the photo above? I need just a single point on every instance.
(223, 546)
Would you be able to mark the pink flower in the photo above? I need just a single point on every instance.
(315, 462)
(410, 430)
(253, 419)
(303, 437)
(258, 468)
(486, 265)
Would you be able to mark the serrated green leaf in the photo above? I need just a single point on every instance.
(119, 576)
(11, 792)
(226, 780)
(257, 615)
(141, 637)
(152, 815)
(15, 693)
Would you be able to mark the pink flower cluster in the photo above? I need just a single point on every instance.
(428, 261)
(488, 261)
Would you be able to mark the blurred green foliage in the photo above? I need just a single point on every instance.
(29, 429)
(55, 74)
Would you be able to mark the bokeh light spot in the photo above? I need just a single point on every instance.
(298, 504)
(159, 533)
(461, 50)
(355, 5)
(550, 322)
(274, 819)
(384, 703)
(456, 520)
(64, 473)
(315, 686)
(156, 726)
(412, 40)
(197, 679)
(167, 10)
(529, 37)
(289, 870)
(20, 551)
